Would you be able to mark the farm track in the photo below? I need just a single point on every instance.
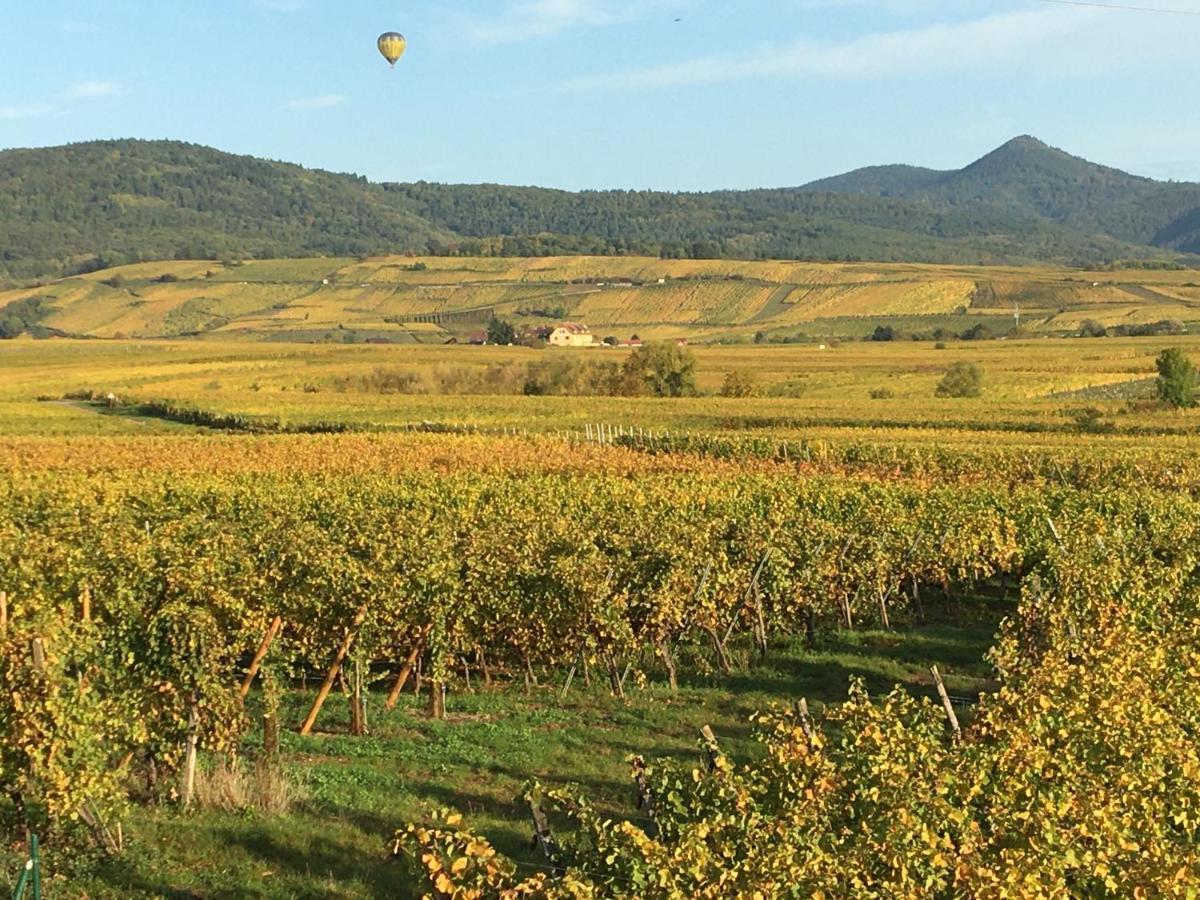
(776, 304)
(1149, 295)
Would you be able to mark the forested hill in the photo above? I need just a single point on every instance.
(66, 209)
(1028, 178)
(84, 206)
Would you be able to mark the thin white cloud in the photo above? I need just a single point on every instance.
(1048, 41)
(528, 19)
(94, 90)
(29, 111)
(308, 104)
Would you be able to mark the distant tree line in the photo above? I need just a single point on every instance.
(83, 207)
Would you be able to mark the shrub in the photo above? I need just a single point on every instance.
(739, 384)
(978, 332)
(1150, 329)
(883, 333)
(963, 379)
(1090, 420)
(882, 394)
(1176, 383)
(11, 327)
(793, 389)
(1092, 328)
(570, 376)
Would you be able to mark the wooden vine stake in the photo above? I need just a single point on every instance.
(188, 787)
(334, 669)
(1054, 531)
(270, 734)
(3, 613)
(883, 612)
(803, 719)
(358, 708)
(711, 751)
(664, 650)
(760, 623)
(542, 837)
(570, 677)
(484, 667)
(615, 681)
(949, 707)
(406, 670)
(437, 700)
(260, 655)
(645, 795)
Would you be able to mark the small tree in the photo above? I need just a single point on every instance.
(883, 333)
(501, 332)
(11, 327)
(1090, 328)
(963, 379)
(663, 369)
(1177, 380)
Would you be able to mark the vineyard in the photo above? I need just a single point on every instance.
(270, 626)
(149, 583)
(319, 299)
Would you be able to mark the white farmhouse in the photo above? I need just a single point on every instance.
(571, 334)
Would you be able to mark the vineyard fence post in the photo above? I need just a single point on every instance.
(946, 703)
(189, 761)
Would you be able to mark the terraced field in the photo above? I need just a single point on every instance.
(408, 299)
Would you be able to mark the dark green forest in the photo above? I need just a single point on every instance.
(82, 207)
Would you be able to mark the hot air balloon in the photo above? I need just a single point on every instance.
(392, 45)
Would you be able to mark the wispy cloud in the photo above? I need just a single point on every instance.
(307, 104)
(1048, 41)
(527, 19)
(94, 90)
(29, 111)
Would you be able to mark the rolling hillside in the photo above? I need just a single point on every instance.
(434, 299)
(89, 206)
(1026, 178)
(79, 208)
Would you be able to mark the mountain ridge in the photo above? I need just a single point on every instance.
(88, 205)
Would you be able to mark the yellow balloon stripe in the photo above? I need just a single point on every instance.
(392, 46)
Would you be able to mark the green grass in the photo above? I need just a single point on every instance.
(358, 791)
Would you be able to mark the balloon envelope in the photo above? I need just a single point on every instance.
(392, 45)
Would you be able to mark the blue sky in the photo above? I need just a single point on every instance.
(610, 93)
